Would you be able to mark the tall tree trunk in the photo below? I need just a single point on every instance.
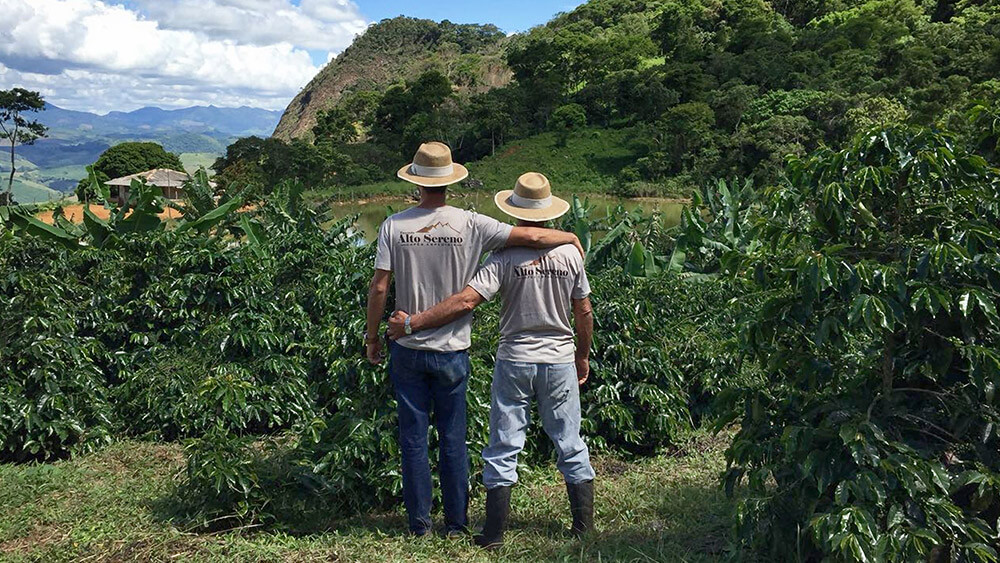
(10, 181)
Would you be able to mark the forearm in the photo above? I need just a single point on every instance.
(535, 237)
(449, 310)
(376, 308)
(584, 336)
(583, 316)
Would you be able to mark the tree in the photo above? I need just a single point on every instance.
(412, 113)
(334, 126)
(877, 112)
(124, 159)
(565, 120)
(16, 129)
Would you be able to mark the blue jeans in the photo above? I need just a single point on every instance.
(558, 393)
(424, 380)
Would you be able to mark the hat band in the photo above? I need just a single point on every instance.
(526, 203)
(432, 171)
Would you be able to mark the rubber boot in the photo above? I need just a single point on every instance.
(581, 505)
(497, 512)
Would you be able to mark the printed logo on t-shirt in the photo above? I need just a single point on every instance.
(434, 234)
(544, 267)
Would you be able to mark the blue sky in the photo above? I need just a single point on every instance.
(103, 55)
(510, 16)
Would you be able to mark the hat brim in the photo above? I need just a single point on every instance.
(460, 173)
(558, 208)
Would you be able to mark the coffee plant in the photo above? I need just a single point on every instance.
(873, 435)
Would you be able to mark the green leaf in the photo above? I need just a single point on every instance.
(97, 228)
(255, 236)
(637, 260)
(204, 223)
(33, 226)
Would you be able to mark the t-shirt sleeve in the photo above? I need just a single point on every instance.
(486, 282)
(383, 257)
(581, 285)
(491, 233)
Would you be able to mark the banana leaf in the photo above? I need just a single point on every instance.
(637, 261)
(204, 223)
(255, 236)
(96, 228)
(102, 191)
(33, 226)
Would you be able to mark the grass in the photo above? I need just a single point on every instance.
(114, 506)
(588, 164)
(194, 160)
(71, 172)
(29, 191)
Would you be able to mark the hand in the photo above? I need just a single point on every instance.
(576, 243)
(582, 370)
(373, 351)
(397, 325)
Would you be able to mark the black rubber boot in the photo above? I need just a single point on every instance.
(497, 512)
(581, 505)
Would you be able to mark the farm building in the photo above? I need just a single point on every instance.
(170, 181)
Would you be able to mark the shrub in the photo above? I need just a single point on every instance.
(53, 394)
(874, 434)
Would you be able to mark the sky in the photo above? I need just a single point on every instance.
(104, 55)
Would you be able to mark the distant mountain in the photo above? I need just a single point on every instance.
(209, 120)
(76, 138)
(396, 50)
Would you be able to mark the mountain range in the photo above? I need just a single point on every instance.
(53, 165)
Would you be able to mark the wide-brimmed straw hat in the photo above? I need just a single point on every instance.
(432, 167)
(531, 199)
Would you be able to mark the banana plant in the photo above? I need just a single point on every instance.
(715, 228)
(140, 213)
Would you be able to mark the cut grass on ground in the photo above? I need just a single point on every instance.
(110, 507)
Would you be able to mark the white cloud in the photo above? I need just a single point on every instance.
(314, 24)
(88, 54)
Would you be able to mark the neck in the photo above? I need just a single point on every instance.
(523, 223)
(431, 199)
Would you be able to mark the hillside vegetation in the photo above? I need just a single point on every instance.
(705, 89)
(396, 50)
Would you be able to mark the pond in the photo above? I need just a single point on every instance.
(373, 211)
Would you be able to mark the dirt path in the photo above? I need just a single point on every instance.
(75, 213)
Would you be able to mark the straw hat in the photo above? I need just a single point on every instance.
(432, 167)
(531, 199)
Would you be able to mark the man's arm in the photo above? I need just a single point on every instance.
(535, 237)
(583, 317)
(378, 290)
(449, 310)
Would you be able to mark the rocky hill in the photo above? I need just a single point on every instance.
(395, 50)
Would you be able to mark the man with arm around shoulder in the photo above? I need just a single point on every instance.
(432, 250)
(537, 356)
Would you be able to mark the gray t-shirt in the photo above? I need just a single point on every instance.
(433, 254)
(537, 289)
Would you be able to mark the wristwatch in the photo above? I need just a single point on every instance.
(406, 326)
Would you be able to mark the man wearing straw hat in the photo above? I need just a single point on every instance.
(432, 250)
(537, 356)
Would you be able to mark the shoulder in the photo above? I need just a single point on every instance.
(568, 252)
(500, 256)
(403, 215)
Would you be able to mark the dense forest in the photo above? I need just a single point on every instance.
(828, 303)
